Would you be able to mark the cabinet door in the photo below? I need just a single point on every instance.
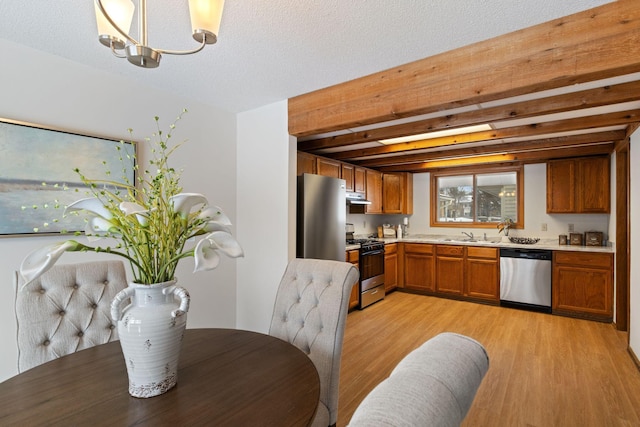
(306, 163)
(594, 194)
(391, 193)
(374, 191)
(348, 176)
(449, 274)
(359, 180)
(354, 298)
(561, 183)
(583, 290)
(418, 261)
(482, 273)
(329, 167)
(390, 267)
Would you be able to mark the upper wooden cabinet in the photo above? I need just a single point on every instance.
(579, 185)
(306, 163)
(348, 176)
(359, 180)
(397, 193)
(329, 167)
(374, 191)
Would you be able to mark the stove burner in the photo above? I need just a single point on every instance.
(366, 244)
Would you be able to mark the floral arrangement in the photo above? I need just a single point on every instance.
(505, 225)
(153, 222)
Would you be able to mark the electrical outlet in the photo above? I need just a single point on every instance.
(570, 228)
(543, 226)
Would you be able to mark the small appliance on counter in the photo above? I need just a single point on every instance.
(349, 229)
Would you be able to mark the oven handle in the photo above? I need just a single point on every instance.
(374, 252)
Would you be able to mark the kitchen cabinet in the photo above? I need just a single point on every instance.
(306, 163)
(347, 173)
(582, 285)
(482, 271)
(353, 256)
(390, 267)
(579, 185)
(373, 191)
(418, 266)
(449, 269)
(359, 180)
(397, 193)
(328, 167)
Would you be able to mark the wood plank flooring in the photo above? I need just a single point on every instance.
(544, 370)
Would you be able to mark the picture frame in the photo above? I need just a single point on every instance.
(38, 178)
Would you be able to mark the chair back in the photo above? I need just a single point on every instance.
(310, 312)
(65, 310)
(433, 385)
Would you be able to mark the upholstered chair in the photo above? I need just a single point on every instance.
(65, 310)
(433, 385)
(310, 312)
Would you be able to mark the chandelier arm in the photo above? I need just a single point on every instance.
(118, 29)
(115, 52)
(183, 52)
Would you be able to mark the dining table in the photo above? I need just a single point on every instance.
(226, 377)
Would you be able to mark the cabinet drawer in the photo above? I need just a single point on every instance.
(353, 256)
(390, 249)
(450, 250)
(420, 248)
(593, 260)
(476, 252)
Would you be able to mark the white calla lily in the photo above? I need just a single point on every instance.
(91, 204)
(205, 253)
(183, 203)
(131, 208)
(216, 220)
(42, 259)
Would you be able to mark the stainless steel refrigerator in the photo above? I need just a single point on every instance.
(321, 217)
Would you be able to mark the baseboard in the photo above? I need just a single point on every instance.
(634, 357)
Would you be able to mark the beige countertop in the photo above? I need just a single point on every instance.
(548, 244)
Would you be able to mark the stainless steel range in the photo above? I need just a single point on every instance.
(371, 266)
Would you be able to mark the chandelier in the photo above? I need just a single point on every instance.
(114, 22)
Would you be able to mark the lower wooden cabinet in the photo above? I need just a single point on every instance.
(450, 269)
(353, 257)
(482, 270)
(418, 264)
(390, 267)
(582, 285)
(467, 272)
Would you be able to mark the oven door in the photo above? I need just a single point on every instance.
(371, 269)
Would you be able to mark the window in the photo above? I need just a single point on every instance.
(477, 199)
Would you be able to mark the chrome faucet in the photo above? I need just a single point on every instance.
(469, 235)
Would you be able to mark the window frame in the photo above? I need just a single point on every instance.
(519, 170)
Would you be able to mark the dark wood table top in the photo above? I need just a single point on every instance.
(226, 377)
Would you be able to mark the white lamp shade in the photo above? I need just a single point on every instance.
(120, 11)
(206, 15)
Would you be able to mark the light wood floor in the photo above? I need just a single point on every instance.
(544, 370)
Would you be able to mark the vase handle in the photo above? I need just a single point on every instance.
(116, 304)
(184, 297)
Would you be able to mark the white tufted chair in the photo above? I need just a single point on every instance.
(310, 312)
(65, 310)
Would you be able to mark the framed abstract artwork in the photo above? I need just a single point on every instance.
(38, 177)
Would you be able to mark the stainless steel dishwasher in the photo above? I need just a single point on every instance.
(525, 279)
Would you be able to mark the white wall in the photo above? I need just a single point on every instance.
(265, 172)
(48, 90)
(634, 242)
(535, 193)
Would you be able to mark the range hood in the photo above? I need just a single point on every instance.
(357, 199)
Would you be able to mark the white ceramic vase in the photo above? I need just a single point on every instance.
(151, 328)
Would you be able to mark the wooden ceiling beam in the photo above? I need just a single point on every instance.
(614, 94)
(594, 44)
(535, 129)
(489, 159)
(513, 147)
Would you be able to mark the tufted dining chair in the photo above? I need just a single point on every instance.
(65, 310)
(310, 312)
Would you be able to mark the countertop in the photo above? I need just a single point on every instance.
(548, 244)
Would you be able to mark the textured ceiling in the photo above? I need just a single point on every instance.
(273, 50)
